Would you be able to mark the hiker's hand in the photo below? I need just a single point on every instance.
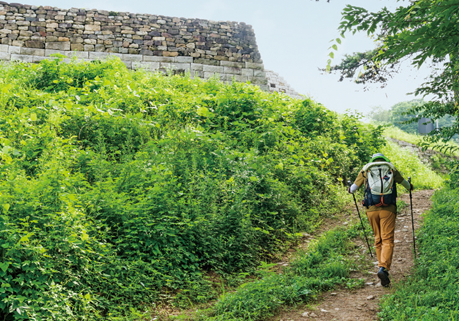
(349, 190)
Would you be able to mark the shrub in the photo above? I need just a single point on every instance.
(118, 186)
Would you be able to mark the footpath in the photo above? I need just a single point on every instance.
(362, 304)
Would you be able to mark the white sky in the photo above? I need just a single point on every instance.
(293, 37)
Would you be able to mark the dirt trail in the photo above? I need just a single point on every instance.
(362, 304)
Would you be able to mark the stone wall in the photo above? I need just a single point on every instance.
(277, 84)
(152, 42)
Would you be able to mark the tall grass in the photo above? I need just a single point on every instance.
(410, 165)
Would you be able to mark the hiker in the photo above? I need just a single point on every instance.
(379, 177)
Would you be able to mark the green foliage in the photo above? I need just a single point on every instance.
(422, 31)
(319, 268)
(431, 292)
(450, 147)
(121, 188)
(410, 165)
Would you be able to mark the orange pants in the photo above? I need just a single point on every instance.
(383, 224)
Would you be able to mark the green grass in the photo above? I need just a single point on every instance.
(410, 165)
(431, 293)
(324, 265)
(397, 133)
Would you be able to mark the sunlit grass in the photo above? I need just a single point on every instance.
(410, 165)
(397, 133)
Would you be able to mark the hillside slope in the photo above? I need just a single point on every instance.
(119, 189)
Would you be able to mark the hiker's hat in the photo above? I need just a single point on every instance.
(377, 156)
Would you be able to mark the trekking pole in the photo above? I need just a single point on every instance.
(412, 219)
(363, 227)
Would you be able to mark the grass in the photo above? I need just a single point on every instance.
(322, 267)
(410, 165)
(431, 293)
(397, 133)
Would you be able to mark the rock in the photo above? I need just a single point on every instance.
(333, 293)
(397, 241)
(313, 315)
(371, 297)
(337, 309)
(324, 311)
(378, 285)
(370, 283)
(305, 314)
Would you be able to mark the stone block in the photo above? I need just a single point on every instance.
(207, 62)
(14, 50)
(258, 80)
(77, 47)
(264, 87)
(196, 73)
(247, 72)
(214, 69)
(37, 59)
(5, 56)
(92, 27)
(164, 65)
(118, 55)
(98, 55)
(197, 67)
(4, 48)
(232, 70)
(181, 66)
(253, 65)
(88, 47)
(149, 66)
(239, 78)
(259, 73)
(32, 51)
(23, 58)
(232, 64)
(183, 59)
(58, 45)
(49, 52)
(130, 57)
(158, 59)
(170, 53)
(35, 44)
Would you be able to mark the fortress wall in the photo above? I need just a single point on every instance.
(152, 42)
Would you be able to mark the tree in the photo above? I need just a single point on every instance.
(421, 31)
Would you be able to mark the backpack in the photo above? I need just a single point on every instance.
(380, 187)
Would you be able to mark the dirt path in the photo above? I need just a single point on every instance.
(362, 304)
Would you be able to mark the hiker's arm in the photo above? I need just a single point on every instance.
(358, 182)
(400, 180)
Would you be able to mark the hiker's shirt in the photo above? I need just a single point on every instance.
(361, 179)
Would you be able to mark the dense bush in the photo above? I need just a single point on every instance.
(431, 293)
(117, 186)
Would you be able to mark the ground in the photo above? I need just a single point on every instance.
(362, 304)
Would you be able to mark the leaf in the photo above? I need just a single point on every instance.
(6, 207)
(338, 40)
(33, 117)
(332, 55)
(4, 266)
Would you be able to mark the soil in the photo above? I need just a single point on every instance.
(363, 303)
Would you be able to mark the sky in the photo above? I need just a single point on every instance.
(293, 37)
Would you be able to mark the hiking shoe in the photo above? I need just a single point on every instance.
(383, 275)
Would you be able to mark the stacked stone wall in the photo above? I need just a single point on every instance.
(278, 84)
(152, 42)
